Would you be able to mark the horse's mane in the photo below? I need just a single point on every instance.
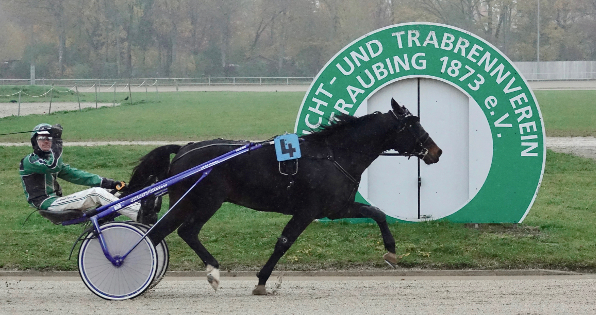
(340, 123)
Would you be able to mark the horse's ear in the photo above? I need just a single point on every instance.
(397, 109)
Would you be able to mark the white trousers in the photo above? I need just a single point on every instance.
(92, 198)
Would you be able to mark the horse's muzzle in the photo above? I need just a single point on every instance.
(434, 152)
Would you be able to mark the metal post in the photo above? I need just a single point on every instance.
(129, 93)
(114, 102)
(538, 42)
(51, 96)
(19, 111)
(95, 96)
(78, 97)
(176, 82)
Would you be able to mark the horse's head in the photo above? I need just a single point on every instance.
(412, 139)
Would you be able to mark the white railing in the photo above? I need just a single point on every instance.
(557, 70)
(139, 82)
(532, 71)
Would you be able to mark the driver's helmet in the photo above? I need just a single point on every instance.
(41, 129)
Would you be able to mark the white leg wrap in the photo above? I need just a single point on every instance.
(213, 276)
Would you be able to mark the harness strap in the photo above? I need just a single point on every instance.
(341, 169)
(330, 157)
(205, 146)
(347, 174)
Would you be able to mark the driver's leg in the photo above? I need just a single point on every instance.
(92, 198)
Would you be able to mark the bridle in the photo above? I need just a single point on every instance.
(418, 149)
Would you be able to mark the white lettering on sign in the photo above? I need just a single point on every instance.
(374, 48)
(454, 71)
(382, 58)
(461, 45)
(431, 39)
(341, 106)
(499, 122)
(413, 37)
(398, 36)
(316, 109)
(365, 73)
(447, 42)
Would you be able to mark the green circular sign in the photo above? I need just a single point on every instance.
(460, 59)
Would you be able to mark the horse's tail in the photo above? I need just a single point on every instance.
(152, 168)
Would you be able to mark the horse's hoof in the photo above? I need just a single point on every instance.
(391, 259)
(259, 290)
(213, 277)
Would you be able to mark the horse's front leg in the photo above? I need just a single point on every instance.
(189, 232)
(293, 229)
(359, 210)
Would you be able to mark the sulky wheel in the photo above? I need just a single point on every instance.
(126, 281)
(163, 255)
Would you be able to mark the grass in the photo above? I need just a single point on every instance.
(173, 116)
(568, 113)
(243, 115)
(559, 232)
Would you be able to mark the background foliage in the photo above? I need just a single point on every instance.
(185, 38)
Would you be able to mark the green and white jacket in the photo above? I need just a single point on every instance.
(38, 176)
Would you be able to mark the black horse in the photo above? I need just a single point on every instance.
(324, 184)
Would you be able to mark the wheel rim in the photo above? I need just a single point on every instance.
(118, 282)
(162, 251)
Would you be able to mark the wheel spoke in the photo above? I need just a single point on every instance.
(126, 281)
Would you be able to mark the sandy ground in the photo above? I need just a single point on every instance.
(561, 294)
(580, 146)
(12, 109)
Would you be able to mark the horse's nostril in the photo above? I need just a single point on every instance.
(439, 153)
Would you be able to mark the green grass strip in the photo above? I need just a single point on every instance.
(559, 232)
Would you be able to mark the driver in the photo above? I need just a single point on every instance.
(40, 169)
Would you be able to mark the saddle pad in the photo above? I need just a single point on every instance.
(287, 147)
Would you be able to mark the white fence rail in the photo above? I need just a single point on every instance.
(558, 70)
(532, 71)
(172, 82)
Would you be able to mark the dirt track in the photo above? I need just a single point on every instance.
(12, 109)
(561, 294)
(580, 146)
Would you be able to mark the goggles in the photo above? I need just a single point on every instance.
(44, 138)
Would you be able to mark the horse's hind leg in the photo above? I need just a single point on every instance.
(359, 210)
(293, 229)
